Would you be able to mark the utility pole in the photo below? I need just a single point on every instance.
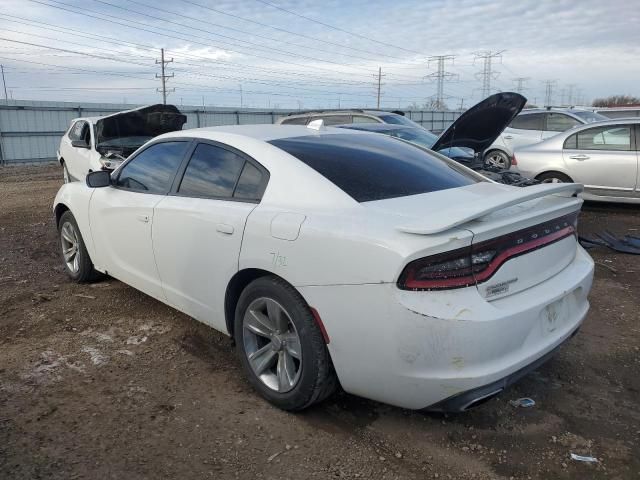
(241, 99)
(548, 92)
(4, 84)
(520, 81)
(380, 75)
(461, 103)
(487, 74)
(164, 76)
(440, 76)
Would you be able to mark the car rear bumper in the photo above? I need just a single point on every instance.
(417, 349)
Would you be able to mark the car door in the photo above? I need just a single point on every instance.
(121, 216)
(198, 228)
(77, 157)
(556, 122)
(525, 129)
(604, 159)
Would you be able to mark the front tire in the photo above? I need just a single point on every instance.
(281, 348)
(74, 254)
(497, 158)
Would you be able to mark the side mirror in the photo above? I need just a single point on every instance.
(79, 144)
(99, 179)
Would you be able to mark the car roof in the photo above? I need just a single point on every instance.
(376, 127)
(347, 111)
(263, 132)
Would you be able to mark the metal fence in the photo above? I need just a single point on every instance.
(30, 131)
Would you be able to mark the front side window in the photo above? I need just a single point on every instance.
(375, 167)
(215, 172)
(528, 121)
(559, 122)
(78, 129)
(153, 169)
(601, 138)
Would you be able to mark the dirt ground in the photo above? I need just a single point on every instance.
(101, 381)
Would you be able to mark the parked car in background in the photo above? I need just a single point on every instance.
(603, 156)
(535, 125)
(332, 255)
(102, 143)
(344, 117)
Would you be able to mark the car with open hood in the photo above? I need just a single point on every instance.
(102, 143)
(337, 257)
(467, 138)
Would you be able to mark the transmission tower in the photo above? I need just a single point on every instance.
(571, 88)
(487, 74)
(164, 76)
(520, 81)
(440, 76)
(548, 92)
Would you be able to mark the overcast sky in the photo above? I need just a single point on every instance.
(310, 53)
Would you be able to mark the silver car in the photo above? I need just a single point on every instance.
(603, 156)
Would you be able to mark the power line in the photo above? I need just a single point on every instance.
(487, 74)
(333, 27)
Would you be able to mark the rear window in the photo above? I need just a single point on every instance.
(375, 167)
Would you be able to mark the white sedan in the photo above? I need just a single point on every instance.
(331, 255)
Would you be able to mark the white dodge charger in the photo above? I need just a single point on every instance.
(339, 257)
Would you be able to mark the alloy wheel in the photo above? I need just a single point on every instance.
(272, 344)
(70, 246)
(498, 159)
(552, 180)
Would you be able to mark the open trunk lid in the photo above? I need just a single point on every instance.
(521, 237)
(482, 124)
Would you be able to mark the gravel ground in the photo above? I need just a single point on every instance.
(101, 381)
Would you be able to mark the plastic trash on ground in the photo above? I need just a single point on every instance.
(582, 458)
(524, 402)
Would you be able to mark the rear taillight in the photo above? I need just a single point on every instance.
(514, 161)
(478, 262)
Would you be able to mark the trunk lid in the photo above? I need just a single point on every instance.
(525, 235)
(482, 124)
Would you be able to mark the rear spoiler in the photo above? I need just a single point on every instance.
(452, 217)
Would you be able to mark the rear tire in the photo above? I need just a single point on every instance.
(74, 254)
(554, 177)
(497, 158)
(281, 348)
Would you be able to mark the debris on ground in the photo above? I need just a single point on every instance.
(524, 402)
(582, 458)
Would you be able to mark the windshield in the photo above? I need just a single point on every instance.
(394, 119)
(426, 139)
(590, 117)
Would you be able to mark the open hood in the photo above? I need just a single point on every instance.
(482, 124)
(149, 121)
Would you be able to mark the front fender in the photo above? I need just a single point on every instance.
(76, 196)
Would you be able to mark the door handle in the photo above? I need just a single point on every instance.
(143, 218)
(508, 137)
(224, 228)
(579, 157)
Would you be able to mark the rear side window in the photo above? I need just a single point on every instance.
(375, 167)
(601, 138)
(530, 121)
(365, 119)
(153, 169)
(559, 122)
(295, 121)
(216, 172)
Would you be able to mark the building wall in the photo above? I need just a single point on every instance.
(30, 131)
